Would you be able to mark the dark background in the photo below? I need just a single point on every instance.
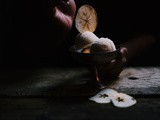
(117, 20)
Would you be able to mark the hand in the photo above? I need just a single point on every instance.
(112, 70)
(56, 19)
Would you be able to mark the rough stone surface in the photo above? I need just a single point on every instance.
(138, 81)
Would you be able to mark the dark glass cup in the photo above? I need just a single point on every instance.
(92, 60)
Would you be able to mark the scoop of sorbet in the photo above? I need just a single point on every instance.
(102, 45)
(85, 39)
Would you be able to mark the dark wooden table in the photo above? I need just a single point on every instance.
(62, 94)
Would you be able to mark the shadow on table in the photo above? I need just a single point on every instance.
(55, 83)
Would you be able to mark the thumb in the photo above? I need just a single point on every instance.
(123, 52)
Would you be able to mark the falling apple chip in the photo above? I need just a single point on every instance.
(86, 19)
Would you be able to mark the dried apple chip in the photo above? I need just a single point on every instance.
(86, 19)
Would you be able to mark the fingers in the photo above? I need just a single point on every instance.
(122, 60)
(63, 12)
(68, 7)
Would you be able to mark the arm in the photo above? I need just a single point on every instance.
(138, 45)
